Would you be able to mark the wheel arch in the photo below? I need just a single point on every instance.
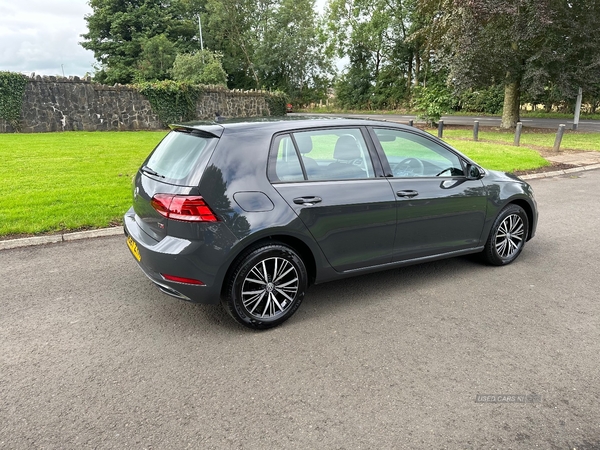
(528, 210)
(295, 243)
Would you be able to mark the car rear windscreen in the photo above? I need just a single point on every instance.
(181, 156)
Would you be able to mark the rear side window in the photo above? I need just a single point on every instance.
(328, 154)
(287, 164)
(178, 157)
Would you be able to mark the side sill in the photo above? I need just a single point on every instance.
(395, 264)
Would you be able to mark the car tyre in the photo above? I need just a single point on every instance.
(508, 236)
(266, 287)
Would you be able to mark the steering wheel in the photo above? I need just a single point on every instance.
(410, 166)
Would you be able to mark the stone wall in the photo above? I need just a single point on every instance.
(69, 104)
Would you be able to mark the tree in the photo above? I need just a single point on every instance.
(353, 89)
(569, 59)
(269, 44)
(525, 44)
(230, 26)
(118, 30)
(272, 44)
(156, 59)
(290, 56)
(199, 68)
(373, 34)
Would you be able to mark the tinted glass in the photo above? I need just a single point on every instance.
(334, 154)
(178, 154)
(411, 155)
(287, 164)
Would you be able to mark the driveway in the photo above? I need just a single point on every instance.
(93, 356)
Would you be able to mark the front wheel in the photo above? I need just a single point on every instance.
(266, 287)
(507, 237)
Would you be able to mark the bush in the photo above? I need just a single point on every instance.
(277, 102)
(432, 101)
(489, 100)
(199, 68)
(156, 59)
(12, 87)
(172, 101)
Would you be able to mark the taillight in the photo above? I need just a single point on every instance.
(188, 208)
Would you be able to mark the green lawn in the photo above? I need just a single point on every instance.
(77, 180)
(499, 157)
(68, 181)
(571, 140)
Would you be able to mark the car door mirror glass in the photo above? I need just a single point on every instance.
(473, 172)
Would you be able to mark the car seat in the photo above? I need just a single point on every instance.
(305, 146)
(346, 151)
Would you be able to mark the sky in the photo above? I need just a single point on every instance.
(42, 37)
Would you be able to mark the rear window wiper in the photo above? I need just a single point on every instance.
(151, 172)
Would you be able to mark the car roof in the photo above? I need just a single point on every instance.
(274, 124)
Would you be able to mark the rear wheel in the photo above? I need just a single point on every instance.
(266, 287)
(507, 237)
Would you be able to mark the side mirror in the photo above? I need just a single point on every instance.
(473, 172)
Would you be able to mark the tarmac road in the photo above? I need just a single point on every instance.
(93, 356)
(484, 121)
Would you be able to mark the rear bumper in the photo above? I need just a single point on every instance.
(173, 256)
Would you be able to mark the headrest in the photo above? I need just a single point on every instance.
(346, 148)
(304, 142)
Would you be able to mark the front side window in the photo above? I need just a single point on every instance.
(411, 155)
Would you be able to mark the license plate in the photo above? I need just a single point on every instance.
(134, 248)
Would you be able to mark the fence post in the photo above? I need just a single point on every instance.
(441, 129)
(476, 130)
(517, 141)
(577, 110)
(410, 123)
(559, 136)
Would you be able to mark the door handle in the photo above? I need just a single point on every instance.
(308, 201)
(407, 194)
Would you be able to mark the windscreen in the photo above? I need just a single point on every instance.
(178, 158)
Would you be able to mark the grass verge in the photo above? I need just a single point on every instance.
(494, 156)
(67, 181)
(571, 140)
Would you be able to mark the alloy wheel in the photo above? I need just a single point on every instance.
(269, 288)
(510, 235)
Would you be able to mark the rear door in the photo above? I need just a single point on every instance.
(329, 178)
(439, 209)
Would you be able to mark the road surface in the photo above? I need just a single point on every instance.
(93, 356)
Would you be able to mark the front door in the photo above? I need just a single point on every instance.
(439, 210)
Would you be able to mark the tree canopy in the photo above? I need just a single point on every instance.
(202, 67)
(119, 29)
(482, 54)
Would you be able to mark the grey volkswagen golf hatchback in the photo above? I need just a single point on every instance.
(251, 213)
